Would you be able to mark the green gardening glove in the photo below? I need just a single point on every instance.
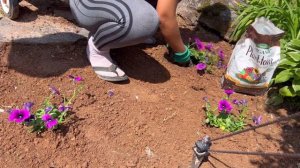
(182, 57)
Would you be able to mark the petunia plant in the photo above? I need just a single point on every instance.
(52, 112)
(229, 115)
(205, 58)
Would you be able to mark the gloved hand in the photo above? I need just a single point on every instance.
(182, 59)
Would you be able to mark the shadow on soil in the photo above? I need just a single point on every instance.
(139, 65)
(68, 126)
(290, 136)
(47, 60)
(71, 121)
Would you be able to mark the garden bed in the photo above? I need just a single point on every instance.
(151, 121)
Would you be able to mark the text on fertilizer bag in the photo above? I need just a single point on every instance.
(262, 56)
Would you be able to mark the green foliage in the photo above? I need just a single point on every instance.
(288, 72)
(58, 112)
(51, 113)
(284, 76)
(228, 122)
(204, 53)
(209, 58)
(285, 14)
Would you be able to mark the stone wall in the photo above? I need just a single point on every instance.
(217, 15)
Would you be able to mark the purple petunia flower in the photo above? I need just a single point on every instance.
(257, 120)
(220, 64)
(201, 66)
(32, 117)
(28, 105)
(221, 55)
(48, 109)
(54, 90)
(19, 116)
(110, 93)
(199, 44)
(229, 92)
(224, 106)
(76, 78)
(9, 110)
(235, 101)
(205, 99)
(243, 102)
(62, 108)
(209, 46)
(49, 121)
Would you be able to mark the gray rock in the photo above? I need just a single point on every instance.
(214, 14)
(187, 9)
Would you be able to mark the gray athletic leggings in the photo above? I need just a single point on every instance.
(116, 23)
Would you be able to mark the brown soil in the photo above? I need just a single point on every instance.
(152, 121)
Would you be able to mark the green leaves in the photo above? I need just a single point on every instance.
(207, 56)
(294, 55)
(297, 72)
(226, 122)
(289, 75)
(287, 91)
(285, 14)
(294, 44)
(52, 112)
(296, 85)
(284, 76)
(289, 70)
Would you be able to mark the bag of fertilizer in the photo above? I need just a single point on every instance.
(254, 59)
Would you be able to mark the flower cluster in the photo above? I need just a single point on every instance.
(49, 115)
(205, 58)
(231, 115)
(227, 119)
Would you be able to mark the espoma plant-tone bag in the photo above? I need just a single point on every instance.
(254, 59)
